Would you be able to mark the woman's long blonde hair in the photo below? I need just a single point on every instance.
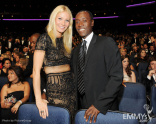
(51, 28)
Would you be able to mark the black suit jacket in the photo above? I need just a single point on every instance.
(133, 41)
(12, 46)
(150, 55)
(24, 44)
(103, 72)
(29, 69)
(147, 83)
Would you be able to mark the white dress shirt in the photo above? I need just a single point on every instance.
(9, 46)
(22, 42)
(149, 78)
(88, 39)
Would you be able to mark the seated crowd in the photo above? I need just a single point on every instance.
(134, 49)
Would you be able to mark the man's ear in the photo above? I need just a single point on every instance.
(92, 24)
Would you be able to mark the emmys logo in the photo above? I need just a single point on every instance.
(141, 117)
(147, 108)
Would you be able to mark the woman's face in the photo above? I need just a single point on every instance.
(20, 64)
(12, 76)
(143, 53)
(62, 22)
(125, 63)
(123, 52)
(17, 59)
(7, 64)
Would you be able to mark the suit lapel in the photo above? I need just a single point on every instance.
(76, 57)
(153, 81)
(90, 48)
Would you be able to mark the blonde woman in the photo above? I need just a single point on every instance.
(23, 62)
(53, 50)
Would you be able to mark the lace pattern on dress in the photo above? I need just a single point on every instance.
(54, 56)
(61, 90)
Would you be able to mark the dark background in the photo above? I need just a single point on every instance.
(12, 9)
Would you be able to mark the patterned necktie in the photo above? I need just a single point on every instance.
(81, 63)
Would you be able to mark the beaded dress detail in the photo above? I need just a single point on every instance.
(60, 86)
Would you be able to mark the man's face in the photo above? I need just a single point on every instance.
(24, 50)
(10, 40)
(152, 38)
(83, 24)
(145, 46)
(33, 41)
(152, 48)
(135, 49)
(153, 65)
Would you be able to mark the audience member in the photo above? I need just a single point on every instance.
(128, 75)
(141, 57)
(1, 49)
(123, 51)
(135, 39)
(6, 65)
(148, 78)
(9, 45)
(29, 68)
(146, 48)
(151, 51)
(13, 94)
(23, 62)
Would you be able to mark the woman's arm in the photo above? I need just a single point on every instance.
(3, 94)
(133, 77)
(26, 92)
(37, 64)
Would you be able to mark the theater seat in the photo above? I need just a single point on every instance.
(110, 118)
(132, 98)
(153, 99)
(3, 80)
(30, 114)
(31, 97)
(152, 120)
(136, 75)
(142, 67)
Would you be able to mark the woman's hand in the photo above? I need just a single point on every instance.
(123, 83)
(7, 104)
(137, 64)
(14, 109)
(42, 107)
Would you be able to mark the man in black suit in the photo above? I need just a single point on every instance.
(135, 39)
(9, 45)
(102, 74)
(148, 78)
(151, 51)
(1, 49)
(33, 40)
(29, 68)
(24, 42)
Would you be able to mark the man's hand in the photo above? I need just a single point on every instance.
(92, 112)
(151, 72)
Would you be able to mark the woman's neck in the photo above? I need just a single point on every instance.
(15, 81)
(124, 70)
(4, 69)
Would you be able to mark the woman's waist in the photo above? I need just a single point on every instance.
(57, 69)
